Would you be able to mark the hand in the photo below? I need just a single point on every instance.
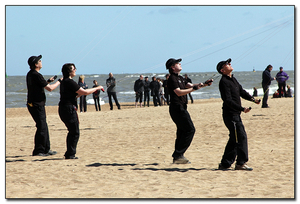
(208, 82)
(257, 101)
(246, 110)
(200, 85)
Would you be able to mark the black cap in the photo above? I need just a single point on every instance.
(33, 60)
(171, 62)
(220, 65)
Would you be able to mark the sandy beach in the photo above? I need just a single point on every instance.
(127, 154)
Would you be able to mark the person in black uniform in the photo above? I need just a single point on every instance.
(36, 100)
(231, 93)
(154, 86)
(139, 89)
(67, 107)
(146, 91)
(178, 89)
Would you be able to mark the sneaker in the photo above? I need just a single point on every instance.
(180, 160)
(243, 167)
(52, 152)
(221, 167)
(41, 155)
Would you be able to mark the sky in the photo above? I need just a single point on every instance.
(140, 39)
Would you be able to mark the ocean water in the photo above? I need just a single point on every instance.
(16, 90)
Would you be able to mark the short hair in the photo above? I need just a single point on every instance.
(67, 69)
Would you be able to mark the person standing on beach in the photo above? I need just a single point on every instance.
(36, 100)
(82, 99)
(111, 91)
(96, 95)
(231, 93)
(266, 82)
(281, 78)
(178, 89)
(146, 91)
(139, 89)
(154, 86)
(67, 107)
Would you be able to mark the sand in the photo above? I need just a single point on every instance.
(127, 154)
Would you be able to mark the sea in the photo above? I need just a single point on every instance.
(16, 90)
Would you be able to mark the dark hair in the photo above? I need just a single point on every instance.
(269, 66)
(67, 69)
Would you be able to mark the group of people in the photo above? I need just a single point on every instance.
(281, 78)
(157, 88)
(177, 87)
(111, 91)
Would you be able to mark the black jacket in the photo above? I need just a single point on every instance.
(266, 77)
(231, 93)
(139, 86)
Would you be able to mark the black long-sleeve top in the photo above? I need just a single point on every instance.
(266, 77)
(231, 93)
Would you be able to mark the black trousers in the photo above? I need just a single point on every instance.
(282, 86)
(156, 98)
(82, 103)
(266, 95)
(139, 97)
(185, 128)
(146, 98)
(237, 145)
(68, 115)
(41, 138)
(114, 95)
(97, 103)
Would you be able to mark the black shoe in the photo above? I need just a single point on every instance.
(265, 107)
(41, 155)
(221, 167)
(52, 152)
(71, 157)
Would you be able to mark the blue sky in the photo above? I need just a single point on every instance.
(140, 39)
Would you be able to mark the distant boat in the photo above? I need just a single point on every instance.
(254, 70)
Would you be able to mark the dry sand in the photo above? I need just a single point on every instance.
(127, 154)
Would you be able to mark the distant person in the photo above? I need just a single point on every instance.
(146, 91)
(281, 78)
(161, 93)
(154, 86)
(82, 99)
(67, 107)
(189, 81)
(139, 90)
(231, 93)
(289, 92)
(178, 89)
(111, 91)
(266, 82)
(36, 100)
(254, 91)
(165, 85)
(96, 96)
